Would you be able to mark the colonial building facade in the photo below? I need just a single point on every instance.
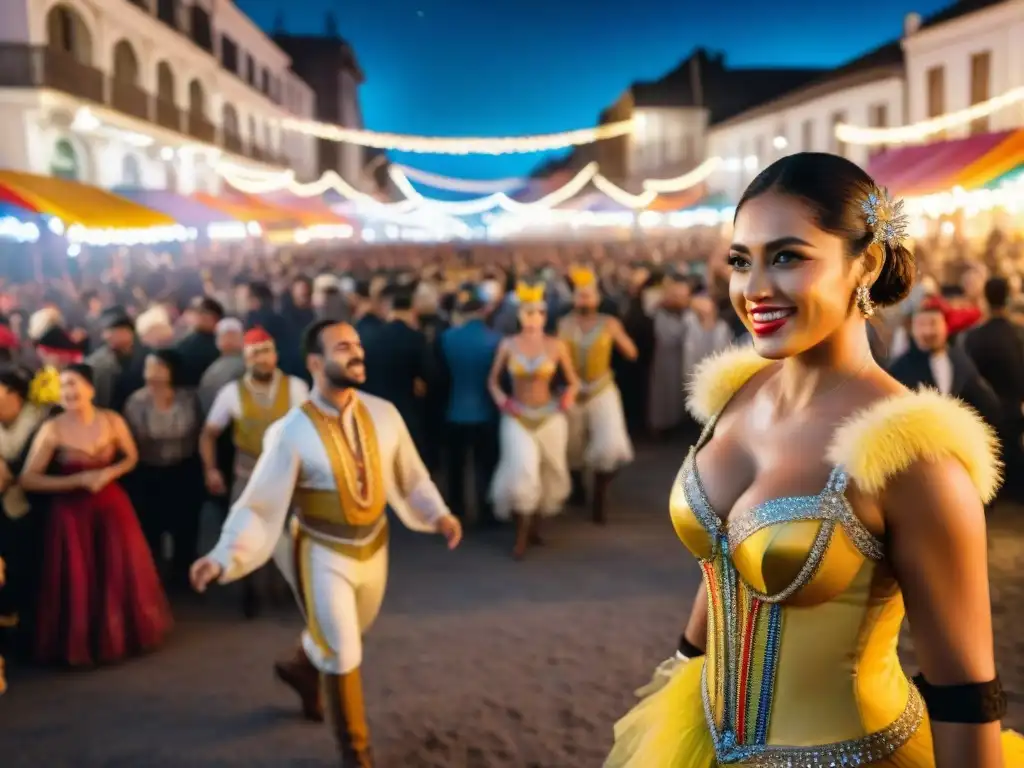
(966, 55)
(145, 93)
(866, 91)
(328, 63)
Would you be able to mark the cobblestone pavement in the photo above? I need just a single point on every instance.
(476, 662)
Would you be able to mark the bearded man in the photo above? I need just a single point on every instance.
(250, 405)
(341, 458)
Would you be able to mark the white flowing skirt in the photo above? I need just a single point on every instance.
(598, 437)
(532, 475)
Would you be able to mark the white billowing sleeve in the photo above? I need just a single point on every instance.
(419, 504)
(222, 412)
(257, 519)
(298, 391)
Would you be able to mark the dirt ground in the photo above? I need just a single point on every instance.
(476, 661)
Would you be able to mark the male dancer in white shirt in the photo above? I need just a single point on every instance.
(342, 456)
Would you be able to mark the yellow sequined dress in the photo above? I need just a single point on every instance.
(804, 611)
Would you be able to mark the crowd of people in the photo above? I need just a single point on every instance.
(136, 394)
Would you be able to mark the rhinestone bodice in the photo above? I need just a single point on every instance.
(803, 619)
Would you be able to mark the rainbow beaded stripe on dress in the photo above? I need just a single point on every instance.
(745, 627)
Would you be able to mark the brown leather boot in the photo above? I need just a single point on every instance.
(347, 717)
(601, 482)
(299, 674)
(578, 497)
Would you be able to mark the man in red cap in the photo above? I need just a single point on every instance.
(250, 405)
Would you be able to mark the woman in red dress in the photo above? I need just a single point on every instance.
(101, 598)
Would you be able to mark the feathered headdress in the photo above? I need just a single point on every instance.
(530, 294)
(582, 277)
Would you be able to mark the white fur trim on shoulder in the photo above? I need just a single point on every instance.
(886, 438)
(717, 378)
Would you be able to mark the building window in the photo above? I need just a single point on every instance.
(228, 54)
(202, 30)
(807, 136)
(936, 84)
(878, 117)
(64, 164)
(981, 77)
(250, 70)
(265, 81)
(167, 12)
(838, 147)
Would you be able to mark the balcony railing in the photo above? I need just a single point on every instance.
(202, 129)
(167, 114)
(233, 142)
(28, 66)
(24, 66)
(129, 98)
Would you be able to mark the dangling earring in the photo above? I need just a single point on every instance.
(864, 303)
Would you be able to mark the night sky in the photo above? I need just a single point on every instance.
(496, 67)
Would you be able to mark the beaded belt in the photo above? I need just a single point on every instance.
(591, 389)
(533, 417)
(852, 753)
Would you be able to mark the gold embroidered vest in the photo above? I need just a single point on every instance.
(255, 418)
(350, 518)
(591, 353)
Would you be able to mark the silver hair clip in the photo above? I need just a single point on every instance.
(886, 217)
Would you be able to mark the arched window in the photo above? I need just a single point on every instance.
(126, 63)
(66, 32)
(64, 164)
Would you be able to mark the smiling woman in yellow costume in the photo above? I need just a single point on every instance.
(823, 502)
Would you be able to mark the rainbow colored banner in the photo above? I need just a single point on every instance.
(985, 160)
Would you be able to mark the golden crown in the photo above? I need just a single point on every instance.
(530, 294)
(582, 277)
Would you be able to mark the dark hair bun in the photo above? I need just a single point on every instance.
(896, 278)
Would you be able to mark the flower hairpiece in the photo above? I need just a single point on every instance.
(886, 217)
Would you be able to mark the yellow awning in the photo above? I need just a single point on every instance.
(75, 203)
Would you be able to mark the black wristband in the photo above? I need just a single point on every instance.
(973, 703)
(688, 649)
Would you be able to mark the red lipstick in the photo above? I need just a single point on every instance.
(766, 319)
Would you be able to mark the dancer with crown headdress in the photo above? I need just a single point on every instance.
(598, 438)
(532, 479)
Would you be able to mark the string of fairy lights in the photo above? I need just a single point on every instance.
(502, 212)
(496, 197)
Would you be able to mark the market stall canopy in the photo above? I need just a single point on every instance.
(249, 208)
(928, 168)
(80, 204)
(1016, 176)
(1003, 159)
(184, 210)
(310, 211)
